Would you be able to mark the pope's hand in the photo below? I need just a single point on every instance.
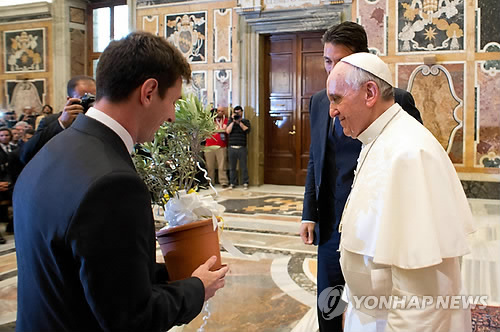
(212, 281)
(307, 232)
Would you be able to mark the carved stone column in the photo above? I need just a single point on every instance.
(61, 52)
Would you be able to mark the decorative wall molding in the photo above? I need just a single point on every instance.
(291, 20)
(30, 11)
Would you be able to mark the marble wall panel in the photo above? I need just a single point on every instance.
(188, 32)
(372, 15)
(198, 85)
(223, 34)
(487, 27)
(438, 93)
(25, 50)
(77, 15)
(78, 54)
(23, 93)
(487, 131)
(223, 87)
(430, 26)
(150, 23)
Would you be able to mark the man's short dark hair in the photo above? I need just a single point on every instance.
(73, 82)
(6, 129)
(238, 108)
(127, 63)
(29, 131)
(349, 34)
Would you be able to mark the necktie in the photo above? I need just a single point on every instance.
(339, 131)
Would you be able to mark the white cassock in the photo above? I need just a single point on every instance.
(404, 229)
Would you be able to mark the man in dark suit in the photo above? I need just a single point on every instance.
(53, 124)
(85, 235)
(330, 172)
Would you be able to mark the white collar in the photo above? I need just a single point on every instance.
(108, 121)
(373, 130)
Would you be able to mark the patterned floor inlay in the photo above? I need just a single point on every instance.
(487, 319)
(291, 206)
(273, 289)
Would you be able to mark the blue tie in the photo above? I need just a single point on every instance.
(338, 128)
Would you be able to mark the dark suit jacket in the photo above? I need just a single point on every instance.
(48, 128)
(346, 154)
(85, 241)
(10, 168)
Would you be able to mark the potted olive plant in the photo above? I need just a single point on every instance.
(170, 163)
(168, 166)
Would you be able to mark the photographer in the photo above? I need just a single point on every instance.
(238, 129)
(81, 92)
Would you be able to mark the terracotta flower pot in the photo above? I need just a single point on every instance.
(188, 246)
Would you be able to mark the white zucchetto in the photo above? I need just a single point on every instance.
(372, 64)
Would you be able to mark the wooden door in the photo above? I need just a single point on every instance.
(295, 66)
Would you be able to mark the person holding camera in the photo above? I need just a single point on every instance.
(85, 238)
(237, 130)
(81, 94)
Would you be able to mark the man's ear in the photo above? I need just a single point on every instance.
(147, 90)
(372, 93)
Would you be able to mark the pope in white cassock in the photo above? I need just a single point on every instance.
(405, 223)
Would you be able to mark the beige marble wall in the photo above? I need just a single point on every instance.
(207, 28)
(450, 66)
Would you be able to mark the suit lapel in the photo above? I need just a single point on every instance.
(324, 118)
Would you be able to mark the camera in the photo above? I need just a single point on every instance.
(87, 101)
(237, 117)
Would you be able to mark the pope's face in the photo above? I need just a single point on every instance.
(346, 103)
(333, 53)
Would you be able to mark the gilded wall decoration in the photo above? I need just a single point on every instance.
(487, 26)
(223, 34)
(430, 25)
(372, 15)
(438, 93)
(23, 93)
(198, 85)
(188, 33)
(150, 23)
(24, 50)
(487, 131)
(223, 93)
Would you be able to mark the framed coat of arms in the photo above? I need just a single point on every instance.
(24, 50)
(188, 33)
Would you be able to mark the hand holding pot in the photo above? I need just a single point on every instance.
(212, 281)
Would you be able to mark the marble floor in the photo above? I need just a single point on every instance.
(272, 287)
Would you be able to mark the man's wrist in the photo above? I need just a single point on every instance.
(61, 123)
(307, 222)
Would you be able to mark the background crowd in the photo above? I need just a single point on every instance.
(14, 133)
